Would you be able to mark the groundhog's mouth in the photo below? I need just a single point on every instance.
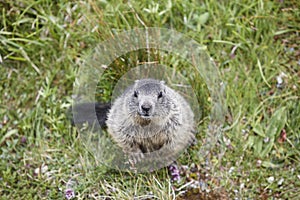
(145, 116)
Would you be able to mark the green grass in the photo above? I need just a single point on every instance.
(43, 43)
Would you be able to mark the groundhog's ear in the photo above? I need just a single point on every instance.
(163, 86)
(135, 83)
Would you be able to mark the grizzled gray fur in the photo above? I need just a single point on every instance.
(151, 117)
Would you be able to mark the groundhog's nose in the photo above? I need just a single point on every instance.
(146, 108)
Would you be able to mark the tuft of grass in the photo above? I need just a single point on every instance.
(255, 46)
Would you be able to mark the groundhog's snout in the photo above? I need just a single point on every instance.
(145, 109)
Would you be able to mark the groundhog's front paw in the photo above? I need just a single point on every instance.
(193, 141)
(134, 158)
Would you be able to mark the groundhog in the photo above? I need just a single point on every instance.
(151, 117)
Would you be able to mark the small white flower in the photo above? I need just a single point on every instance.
(271, 179)
(280, 181)
(242, 185)
(266, 139)
(279, 79)
(231, 170)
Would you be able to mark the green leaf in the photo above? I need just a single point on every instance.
(277, 122)
(267, 148)
(259, 130)
(203, 18)
(8, 135)
(250, 142)
(268, 164)
(258, 145)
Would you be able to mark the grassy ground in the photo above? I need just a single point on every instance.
(255, 45)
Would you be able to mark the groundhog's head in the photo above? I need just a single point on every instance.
(149, 99)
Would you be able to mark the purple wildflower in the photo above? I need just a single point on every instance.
(175, 173)
(69, 193)
(23, 139)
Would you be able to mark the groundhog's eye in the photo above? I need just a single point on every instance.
(135, 94)
(160, 94)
